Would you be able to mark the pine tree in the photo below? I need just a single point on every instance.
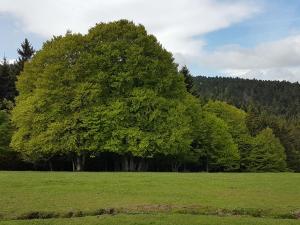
(188, 79)
(12, 71)
(25, 53)
(4, 80)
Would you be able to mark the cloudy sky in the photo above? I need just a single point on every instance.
(247, 38)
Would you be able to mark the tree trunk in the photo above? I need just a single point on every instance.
(34, 166)
(131, 163)
(184, 168)
(50, 165)
(117, 166)
(141, 165)
(125, 165)
(79, 162)
(73, 165)
(175, 167)
(146, 165)
(207, 169)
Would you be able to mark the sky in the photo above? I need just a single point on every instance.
(245, 38)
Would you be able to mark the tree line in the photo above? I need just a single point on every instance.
(114, 99)
(273, 104)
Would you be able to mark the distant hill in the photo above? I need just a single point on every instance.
(281, 98)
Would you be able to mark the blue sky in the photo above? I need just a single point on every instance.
(254, 39)
(276, 21)
(12, 35)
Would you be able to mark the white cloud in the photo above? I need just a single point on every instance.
(277, 54)
(174, 22)
(178, 24)
(281, 74)
(277, 60)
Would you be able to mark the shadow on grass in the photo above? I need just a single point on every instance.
(152, 209)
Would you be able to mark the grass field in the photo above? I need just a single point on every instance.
(149, 198)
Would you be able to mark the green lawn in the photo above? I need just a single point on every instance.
(176, 195)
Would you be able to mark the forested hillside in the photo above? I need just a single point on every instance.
(280, 98)
(273, 104)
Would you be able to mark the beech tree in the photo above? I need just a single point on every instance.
(236, 120)
(214, 143)
(115, 89)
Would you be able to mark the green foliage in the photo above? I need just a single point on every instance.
(7, 90)
(233, 116)
(5, 133)
(188, 79)
(4, 79)
(143, 125)
(216, 145)
(25, 53)
(268, 153)
(236, 121)
(291, 141)
(42, 114)
(8, 158)
(271, 104)
(115, 89)
(9, 73)
(288, 132)
(280, 98)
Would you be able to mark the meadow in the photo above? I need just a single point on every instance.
(149, 198)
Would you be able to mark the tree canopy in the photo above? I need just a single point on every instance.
(115, 89)
(114, 98)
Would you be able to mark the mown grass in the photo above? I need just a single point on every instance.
(28, 195)
(155, 219)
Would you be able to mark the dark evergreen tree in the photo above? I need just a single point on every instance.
(10, 72)
(4, 80)
(25, 53)
(188, 79)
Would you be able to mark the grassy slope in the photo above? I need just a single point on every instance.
(23, 192)
(158, 219)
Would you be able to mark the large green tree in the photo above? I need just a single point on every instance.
(115, 89)
(215, 144)
(268, 153)
(236, 121)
